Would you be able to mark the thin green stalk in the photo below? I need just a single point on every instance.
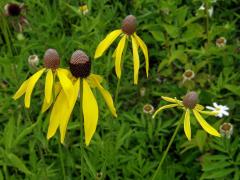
(207, 24)
(168, 147)
(119, 80)
(61, 160)
(81, 121)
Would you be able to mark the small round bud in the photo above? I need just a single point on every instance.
(221, 42)
(129, 25)
(51, 59)
(190, 100)
(12, 9)
(80, 64)
(33, 61)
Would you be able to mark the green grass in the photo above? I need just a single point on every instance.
(178, 36)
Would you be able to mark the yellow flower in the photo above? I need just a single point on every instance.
(80, 67)
(189, 104)
(83, 9)
(51, 67)
(127, 31)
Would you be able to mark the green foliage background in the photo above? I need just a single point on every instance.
(178, 36)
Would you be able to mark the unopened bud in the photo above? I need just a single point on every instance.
(80, 64)
(190, 100)
(129, 25)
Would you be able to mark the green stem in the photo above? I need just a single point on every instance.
(119, 80)
(207, 24)
(81, 121)
(61, 160)
(168, 147)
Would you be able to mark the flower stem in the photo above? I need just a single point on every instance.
(81, 121)
(119, 80)
(167, 149)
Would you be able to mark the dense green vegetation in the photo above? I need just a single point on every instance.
(179, 37)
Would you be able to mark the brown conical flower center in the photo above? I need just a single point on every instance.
(12, 9)
(51, 59)
(190, 100)
(80, 64)
(129, 25)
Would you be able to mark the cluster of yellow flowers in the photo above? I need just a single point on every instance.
(62, 92)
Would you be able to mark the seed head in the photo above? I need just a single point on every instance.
(221, 42)
(80, 64)
(51, 59)
(129, 25)
(33, 60)
(148, 109)
(12, 9)
(226, 129)
(190, 100)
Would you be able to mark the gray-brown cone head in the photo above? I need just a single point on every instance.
(51, 59)
(80, 64)
(129, 25)
(12, 9)
(190, 100)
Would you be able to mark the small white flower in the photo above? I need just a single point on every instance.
(210, 9)
(220, 109)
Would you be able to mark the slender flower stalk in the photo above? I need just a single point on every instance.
(80, 68)
(127, 32)
(51, 67)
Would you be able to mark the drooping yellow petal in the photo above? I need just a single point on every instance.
(91, 80)
(49, 85)
(135, 59)
(106, 95)
(57, 114)
(21, 90)
(209, 129)
(32, 81)
(164, 107)
(65, 83)
(46, 106)
(187, 127)
(90, 112)
(104, 44)
(199, 107)
(119, 52)
(210, 113)
(171, 100)
(144, 49)
(68, 111)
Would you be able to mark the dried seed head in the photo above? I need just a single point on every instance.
(148, 109)
(51, 59)
(33, 60)
(80, 64)
(12, 9)
(226, 129)
(129, 25)
(221, 42)
(188, 74)
(190, 100)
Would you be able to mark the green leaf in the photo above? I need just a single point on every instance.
(158, 35)
(233, 88)
(180, 55)
(8, 133)
(200, 139)
(17, 163)
(217, 173)
(172, 30)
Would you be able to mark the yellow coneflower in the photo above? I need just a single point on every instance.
(127, 32)
(80, 67)
(189, 104)
(51, 67)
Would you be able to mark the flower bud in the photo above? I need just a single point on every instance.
(12, 9)
(129, 25)
(190, 100)
(80, 64)
(51, 59)
(33, 61)
(188, 74)
(226, 129)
